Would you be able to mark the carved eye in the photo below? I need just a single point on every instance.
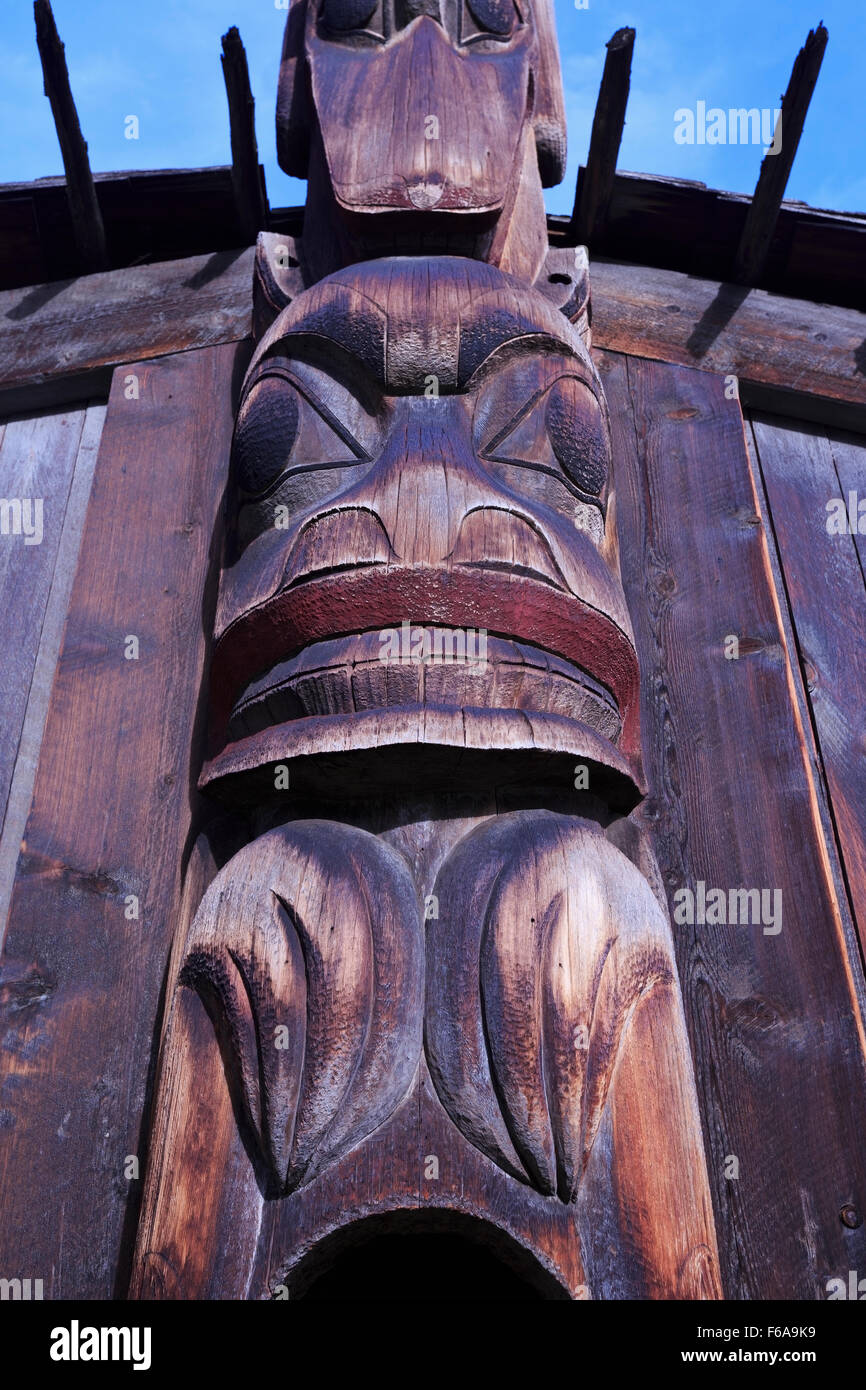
(573, 427)
(265, 434)
(278, 428)
(492, 16)
(344, 15)
(562, 430)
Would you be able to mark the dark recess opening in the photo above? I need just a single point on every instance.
(413, 1267)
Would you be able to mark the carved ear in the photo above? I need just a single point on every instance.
(277, 278)
(308, 945)
(546, 938)
(549, 114)
(293, 97)
(564, 280)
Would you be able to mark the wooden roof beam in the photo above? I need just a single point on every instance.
(248, 180)
(595, 181)
(752, 252)
(87, 226)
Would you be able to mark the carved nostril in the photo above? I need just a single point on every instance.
(494, 538)
(341, 539)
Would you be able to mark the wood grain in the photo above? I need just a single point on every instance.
(76, 327)
(595, 181)
(111, 812)
(754, 245)
(355, 119)
(643, 1151)
(732, 792)
(247, 176)
(48, 628)
(804, 470)
(84, 207)
(806, 351)
(310, 943)
(800, 349)
(37, 461)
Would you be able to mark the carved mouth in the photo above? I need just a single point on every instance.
(447, 232)
(259, 654)
(430, 666)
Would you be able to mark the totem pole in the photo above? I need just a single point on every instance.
(431, 985)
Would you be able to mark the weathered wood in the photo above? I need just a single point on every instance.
(754, 245)
(247, 176)
(334, 535)
(810, 351)
(680, 224)
(106, 837)
(674, 224)
(47, 628)
(394, 505)
(847, 450)
(732, 791)
(73, 329)
(824, 583)
(426, 138)
(37, 461)
(87, 226)
(422, 449)
(595, 181)
(797, 350)
(349, 1060)
(150, 216)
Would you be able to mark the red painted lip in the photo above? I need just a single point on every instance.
(364, 600)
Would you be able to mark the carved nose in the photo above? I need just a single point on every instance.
(425, 481)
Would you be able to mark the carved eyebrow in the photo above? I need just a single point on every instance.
(562, 364)
(530, 342)
(528, 406)
(270, 368)
(339, 368)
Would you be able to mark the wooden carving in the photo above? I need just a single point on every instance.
(527, 1014)
(323, 1024)
(422, 124)
(423, 717)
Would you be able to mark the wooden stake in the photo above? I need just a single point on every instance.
(87, 225)
(763, 211)
(250, 195)
(595, 182)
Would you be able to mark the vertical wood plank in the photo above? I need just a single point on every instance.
(824, 581)
(774, 1018)
(37, 459)
(849, 456)
(24, 773)
(112, 811)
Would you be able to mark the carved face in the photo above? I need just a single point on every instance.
(399, 475)
(438, 107)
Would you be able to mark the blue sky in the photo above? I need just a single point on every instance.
(159, 60)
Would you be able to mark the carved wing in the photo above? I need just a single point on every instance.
(308, 949)
(547, 937)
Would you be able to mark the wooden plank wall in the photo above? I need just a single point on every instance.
(111, 812)
(737, 801)
(45, 459)
(805, 470)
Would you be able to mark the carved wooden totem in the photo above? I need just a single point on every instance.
(426, 982)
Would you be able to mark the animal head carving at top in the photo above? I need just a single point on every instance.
(446, 110)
